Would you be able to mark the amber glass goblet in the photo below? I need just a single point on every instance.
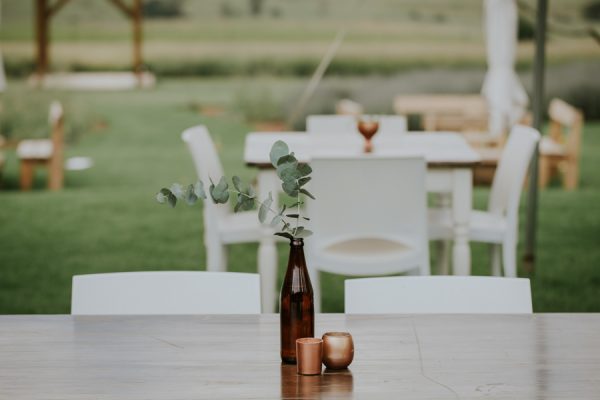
(368, 128)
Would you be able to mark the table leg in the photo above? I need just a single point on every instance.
(443, 201)
(462, 198)
(267, 248)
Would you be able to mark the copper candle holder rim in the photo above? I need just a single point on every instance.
(337, 334)
(309, 341)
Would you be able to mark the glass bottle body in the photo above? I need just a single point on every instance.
(296, 308)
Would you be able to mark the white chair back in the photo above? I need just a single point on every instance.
(207, 163)
(344, 124)
(512, 169)
(331, 124)
(55, 113)
(368, 200)
(438, 295)
(165, 292)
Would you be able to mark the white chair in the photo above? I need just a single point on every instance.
(370, 217)
(221, 225)
(341, 124)
(165, 292)
(499, 224)
(438, 295)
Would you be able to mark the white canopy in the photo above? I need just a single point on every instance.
(506, 96)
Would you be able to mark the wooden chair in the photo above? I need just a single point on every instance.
(165, 292)
(438, 295)
(48, 153)
(458, 113)
(559, 150)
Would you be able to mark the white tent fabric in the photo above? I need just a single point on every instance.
(505, 94)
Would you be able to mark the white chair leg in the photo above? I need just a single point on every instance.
(496, 259)
(267, 268)
(443, 256)
(216, 256)
(442, 247)
(315, 280)
(509, 259)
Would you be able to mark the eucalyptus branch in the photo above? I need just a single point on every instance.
(292, 174)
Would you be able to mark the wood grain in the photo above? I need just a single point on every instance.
(544, 356)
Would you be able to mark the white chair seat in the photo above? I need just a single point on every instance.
(551, 147)
(377, 255)
(483, 226)
(240, 227)
(35, 148)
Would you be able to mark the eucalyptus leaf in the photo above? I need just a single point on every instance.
(190, 195)
(237, 183)
(304, 233)
(293, 215)
(306, 192)
(177, 190)
(304, 169)
(284, 234)
(199, 190)
(172, 200)
(220, 193)
(278, 150)
(264, 208)
(276, 220)
(161, 198)
(288, 159)
(304, 181)
(290, 188)
(247, 203)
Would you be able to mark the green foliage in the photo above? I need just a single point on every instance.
(292, 174)
(162, 8)
(525, 29)
(591, 11)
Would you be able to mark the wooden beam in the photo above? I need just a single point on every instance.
(137, 36)
(51, 10)
(41, 35)
(128, 11)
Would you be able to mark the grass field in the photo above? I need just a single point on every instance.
(289, 38)
(106, 219)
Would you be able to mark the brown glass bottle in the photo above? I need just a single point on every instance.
(296, 307)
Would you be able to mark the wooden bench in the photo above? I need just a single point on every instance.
(560, 149)
(44, 152)
(458, 113)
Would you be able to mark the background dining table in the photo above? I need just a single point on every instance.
(539, 356)
(450, 161)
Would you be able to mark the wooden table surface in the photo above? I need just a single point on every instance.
(543, 356)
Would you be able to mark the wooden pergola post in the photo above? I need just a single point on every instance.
(41, 34)
(136, 15)
(44, 12)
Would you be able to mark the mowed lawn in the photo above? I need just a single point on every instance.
(106, 219)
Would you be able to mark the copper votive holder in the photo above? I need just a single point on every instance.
(309, 356)
(338, 350)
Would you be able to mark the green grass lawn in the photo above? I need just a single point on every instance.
(106, 219)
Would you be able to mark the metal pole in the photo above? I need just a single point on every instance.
(538, 114)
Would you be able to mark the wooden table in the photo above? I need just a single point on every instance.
(450, 160)
(543, 356)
